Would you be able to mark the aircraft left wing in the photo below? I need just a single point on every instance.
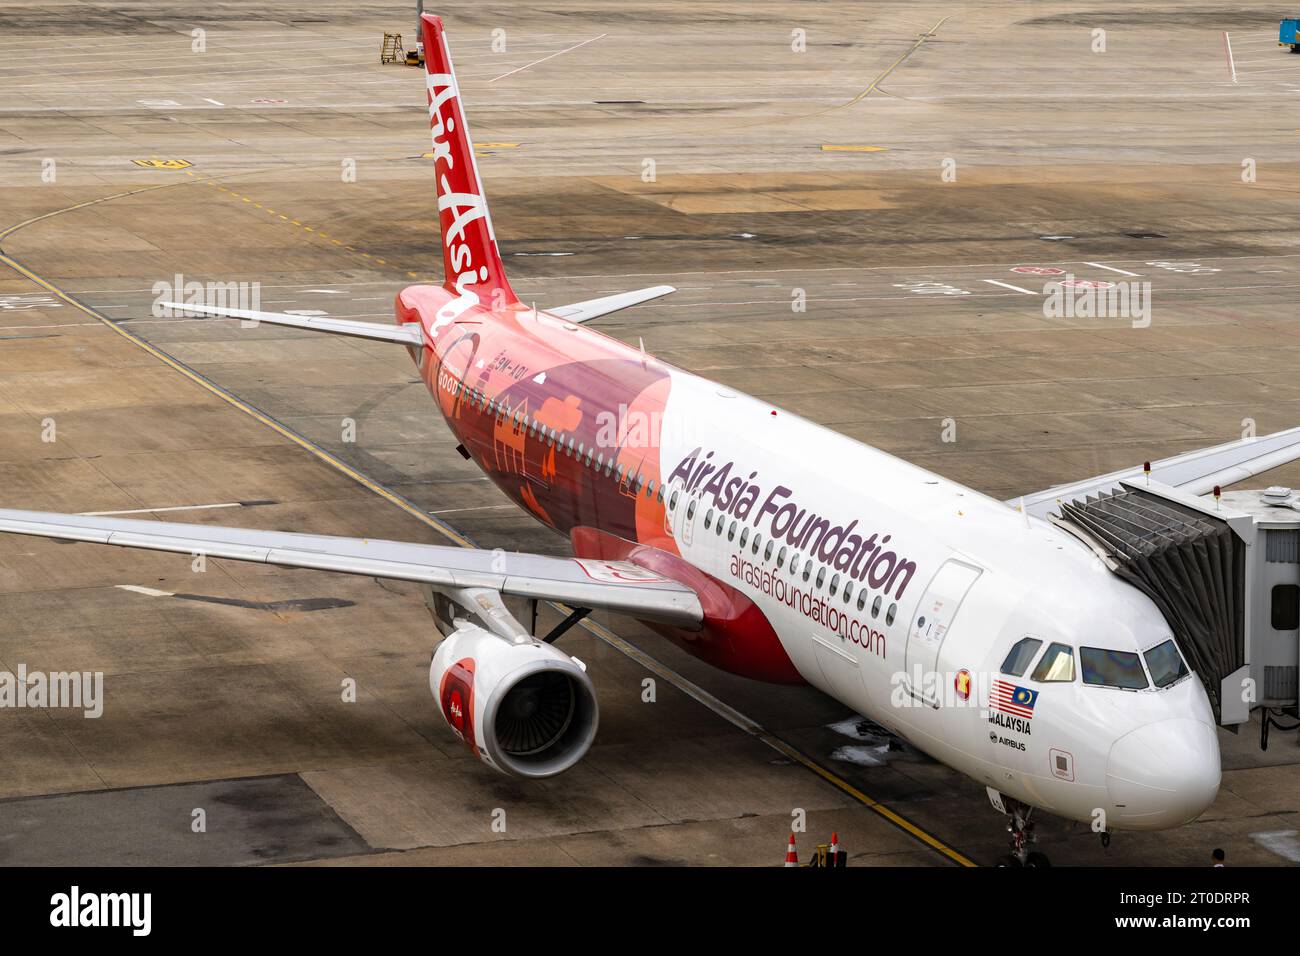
(608, 585)
(1196, 472)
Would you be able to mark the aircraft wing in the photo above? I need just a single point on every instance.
(608, 585)
(1196, 472)
(408, 334)
(580, 312)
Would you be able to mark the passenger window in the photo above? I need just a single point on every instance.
(731, 532)
(862, 598)
(1286, 607)
(875, 607)
(753, 548)
(835, 584)
(1107, 668)
(1166, 663)
(672, 502)
(780, 557)
(807, 569)
(848, 590)
(1057, 664)
(690, 510)
(767, 552)
(891, 614)
(744, 536)
(794, 563)
(659, 497)
(708, 519)
(1021, 656)
(821, 576)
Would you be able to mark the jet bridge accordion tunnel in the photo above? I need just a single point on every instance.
(1191, 564)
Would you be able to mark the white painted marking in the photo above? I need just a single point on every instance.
(1282, 842)
(214, 102)
(1227, 44)
(327, 291)
(149, 511)
(148, 592)
(545, 58)
(1008, 285)
(1123, 272)
(304, 312)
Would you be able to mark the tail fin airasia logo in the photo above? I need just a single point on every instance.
(465, 205)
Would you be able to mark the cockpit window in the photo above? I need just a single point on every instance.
(1057, 664)
(1106, 668)
(1021, 656)
(1166, 664)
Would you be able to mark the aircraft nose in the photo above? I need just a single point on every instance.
(1163, 774)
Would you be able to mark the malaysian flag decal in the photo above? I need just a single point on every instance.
(1012, 700)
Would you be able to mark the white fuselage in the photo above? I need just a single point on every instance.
(984, 578)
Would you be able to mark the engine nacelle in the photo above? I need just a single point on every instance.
(527, 709)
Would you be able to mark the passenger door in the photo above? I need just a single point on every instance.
(931, 622)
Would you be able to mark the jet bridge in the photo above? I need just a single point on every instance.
(1224, 571)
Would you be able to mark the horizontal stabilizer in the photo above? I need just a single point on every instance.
(409, 334)
(580, 312)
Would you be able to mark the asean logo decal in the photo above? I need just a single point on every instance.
(961, 684)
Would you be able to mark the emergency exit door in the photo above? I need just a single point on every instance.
(930, 624)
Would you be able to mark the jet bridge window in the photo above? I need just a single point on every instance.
(1166, 664)
(1056, 665)
(1286, 607)
(1107, 668)
(1021, 656)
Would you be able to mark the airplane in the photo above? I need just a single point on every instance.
(763, 543)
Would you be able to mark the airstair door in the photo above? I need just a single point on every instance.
(931, 623)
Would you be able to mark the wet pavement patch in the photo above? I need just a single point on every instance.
(275, 819)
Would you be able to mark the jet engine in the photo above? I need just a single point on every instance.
(524, 707)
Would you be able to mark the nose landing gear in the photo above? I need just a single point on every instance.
(1022, 837)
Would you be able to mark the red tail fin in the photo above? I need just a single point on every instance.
(470, 261)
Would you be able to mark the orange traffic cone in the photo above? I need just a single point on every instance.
(791, 856)
(833, 854)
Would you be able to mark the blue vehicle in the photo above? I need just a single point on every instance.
(1287, 34)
